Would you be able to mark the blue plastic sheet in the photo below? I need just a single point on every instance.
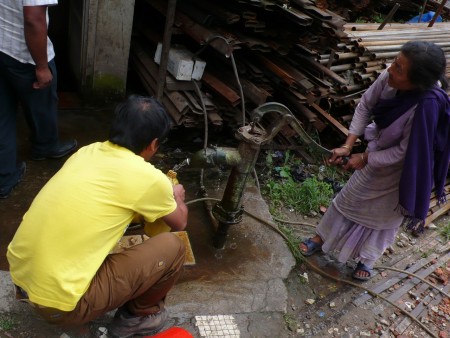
(426, 17)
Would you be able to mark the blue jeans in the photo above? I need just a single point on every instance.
(39, 107)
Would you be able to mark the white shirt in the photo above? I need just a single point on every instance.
(12, 37)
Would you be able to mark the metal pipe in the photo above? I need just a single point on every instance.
(212, 157)
(251, 137)
(415, 36)
(340, 68)
(402, 41)
(397, 47)
(373, 26)
(370, 79)
(345, 56)
(385, 55)
(389, 16)
(355, 102)
(352, 88)
(374, 63)
(411, 31)
(170, 17)
(365, 58)
(422, 9)
(438, 12)
(366, 76)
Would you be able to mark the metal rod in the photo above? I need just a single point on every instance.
(170, 17)
(389, 16)
(422, 10)
(401, 41)
(438, 11)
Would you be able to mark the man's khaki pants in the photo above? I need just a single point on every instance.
(137, 279)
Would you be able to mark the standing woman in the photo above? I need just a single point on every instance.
(405, 118)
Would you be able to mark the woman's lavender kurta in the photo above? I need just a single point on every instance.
(362, 220)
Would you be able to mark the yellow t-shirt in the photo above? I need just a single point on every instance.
(79, 216)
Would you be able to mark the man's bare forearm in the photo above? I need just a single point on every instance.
(35, 27)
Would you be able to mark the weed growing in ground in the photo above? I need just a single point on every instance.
(313, 194)
(290, 321)
(445, 232)
(293, 242)
(6, 323)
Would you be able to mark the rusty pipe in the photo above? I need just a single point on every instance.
(389, 16)
(212, 157)
(438, 12)
(251, 137)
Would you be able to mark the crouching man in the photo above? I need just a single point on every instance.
(60, 257)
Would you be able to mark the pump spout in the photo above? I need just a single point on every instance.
(212, 157)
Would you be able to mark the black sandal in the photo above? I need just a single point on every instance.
(362, 267)
(312, 247)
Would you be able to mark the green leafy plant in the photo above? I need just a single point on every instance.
(304, 197)
(312, 194)
(378, 18)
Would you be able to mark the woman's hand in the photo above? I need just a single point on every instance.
(339, 154)
(356, 161)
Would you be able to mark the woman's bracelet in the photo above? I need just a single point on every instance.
(363, 158)
(346, 146)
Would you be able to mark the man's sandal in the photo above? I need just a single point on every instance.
(362, 267)
(312, 247)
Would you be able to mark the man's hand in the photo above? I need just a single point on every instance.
(44, 77)
(179, 192)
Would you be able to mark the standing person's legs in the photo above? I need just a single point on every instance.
(136, 280)
(10, 172)
(40, 109)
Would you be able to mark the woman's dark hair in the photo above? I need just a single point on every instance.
(427, 62)
(137, 122)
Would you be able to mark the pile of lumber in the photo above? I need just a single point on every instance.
(295, 53)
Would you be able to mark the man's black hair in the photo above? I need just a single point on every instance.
(427, 64)
(137, 122)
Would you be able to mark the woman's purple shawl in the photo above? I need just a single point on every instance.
(428, 153)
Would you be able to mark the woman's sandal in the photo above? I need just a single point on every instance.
(312, 247)
(362, 267)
